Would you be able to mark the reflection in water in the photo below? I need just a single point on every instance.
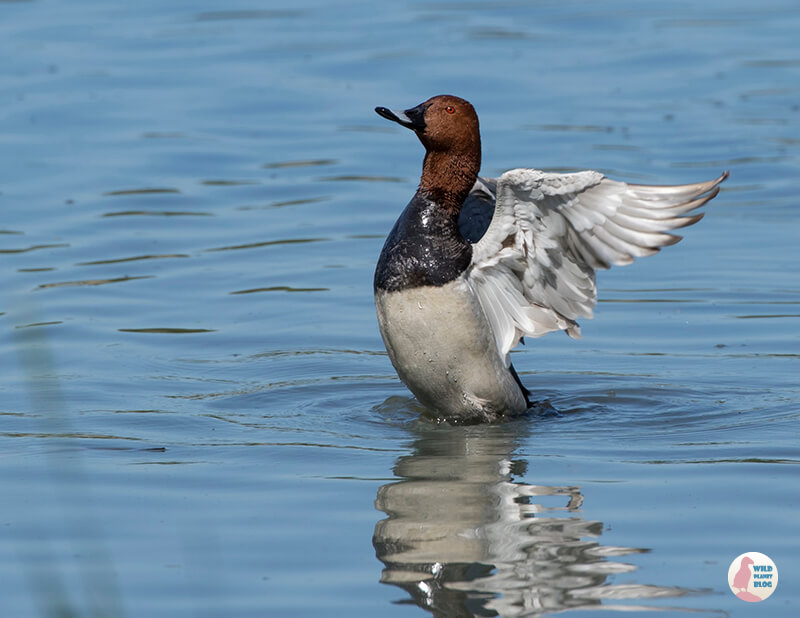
(464, 539)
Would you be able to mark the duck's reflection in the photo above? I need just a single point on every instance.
(464, 539)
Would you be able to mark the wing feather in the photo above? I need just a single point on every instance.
(533, 267)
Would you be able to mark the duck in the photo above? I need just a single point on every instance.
(473, 265)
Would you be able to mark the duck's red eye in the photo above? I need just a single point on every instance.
(449, 109)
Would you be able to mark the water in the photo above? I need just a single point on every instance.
(197, 414)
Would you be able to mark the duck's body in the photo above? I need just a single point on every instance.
(472, 265)
(455, 371)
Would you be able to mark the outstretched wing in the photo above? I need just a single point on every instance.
(534, 267)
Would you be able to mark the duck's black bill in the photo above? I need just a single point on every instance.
(413, 118)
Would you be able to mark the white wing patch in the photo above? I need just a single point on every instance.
(533, 270)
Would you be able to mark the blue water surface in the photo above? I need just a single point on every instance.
(197, 415)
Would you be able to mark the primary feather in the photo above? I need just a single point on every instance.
(533, 267)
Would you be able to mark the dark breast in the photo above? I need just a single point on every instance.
(424, 248)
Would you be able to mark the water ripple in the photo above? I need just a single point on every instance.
(304, 163)
(269, 243)
(284, 203)
(360, 178)
(249, 14)
(280, 288)
(143, 191)
(135, 258)
(156, 213)
(36, 248)
(228, 183)
(89, 282)
(167, 331)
